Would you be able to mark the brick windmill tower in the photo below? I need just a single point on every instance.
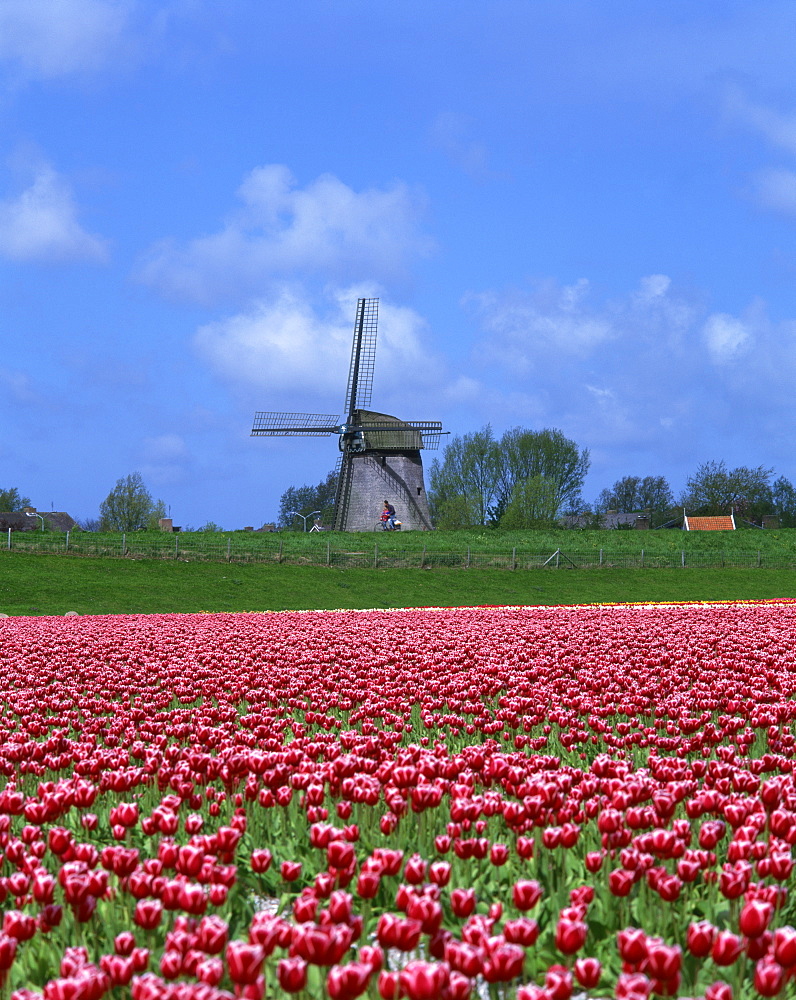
(379, 454)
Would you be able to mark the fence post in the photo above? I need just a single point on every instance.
(9, 539)
(558, 557)
(468, 557)
(514, 558)
(67, 540)
(642, 558)
(422, 556)
(176, 545)
(279, 556)
(229, 549)
(328, 553)
(758, 558)
(124, 543)
(376, 556)
(682, 557)
(601, 557)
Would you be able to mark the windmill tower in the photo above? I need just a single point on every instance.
(379, 454)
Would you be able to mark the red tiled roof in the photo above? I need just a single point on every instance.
(722, 523)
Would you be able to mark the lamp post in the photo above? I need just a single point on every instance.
(31, 513)
(304, 517)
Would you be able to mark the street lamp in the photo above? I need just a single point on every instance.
(31, 513)
(304, 517)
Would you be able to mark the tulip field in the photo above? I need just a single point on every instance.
(493, 802)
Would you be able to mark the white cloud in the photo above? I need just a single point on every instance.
(164, 447)
(526, 328)
(286, 349)
(776, 189)
(725, 337)
(773, 187)
(284, 231)
(52, 38)
(167, 459)
(41, 224)
(653, 287)
(778, 128)
(18, 386)
(450, 133)
(662, 377)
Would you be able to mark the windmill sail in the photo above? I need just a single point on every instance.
(363, 356)
(271, 424)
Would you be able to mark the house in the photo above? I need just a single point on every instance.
(722, 522)
(610, 519)
(29, 519)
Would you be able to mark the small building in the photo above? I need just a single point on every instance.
(29, 519)
(610, 519)
(721, 522)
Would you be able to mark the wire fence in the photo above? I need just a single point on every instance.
(369, 554)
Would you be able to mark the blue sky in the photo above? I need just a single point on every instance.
(575, 214)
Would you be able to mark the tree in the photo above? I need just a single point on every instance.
(462, 486)
(715, 489)
(475, 482)
(547, 453)
(11, 500)
(305, 499)
(535, 503)
(633, 493)
(130, 507)
(783, 501)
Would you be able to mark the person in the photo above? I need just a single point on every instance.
(388, 516)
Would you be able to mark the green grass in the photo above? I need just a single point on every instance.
(664, 548)
(53, 585)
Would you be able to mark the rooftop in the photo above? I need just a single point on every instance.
(724, 522)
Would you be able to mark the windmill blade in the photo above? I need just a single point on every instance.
(269, 424)
(342, 496)
(430, 431)
(363, 356)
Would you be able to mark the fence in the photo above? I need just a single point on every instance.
(368, 554)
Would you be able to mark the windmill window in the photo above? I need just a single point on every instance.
(419, 490)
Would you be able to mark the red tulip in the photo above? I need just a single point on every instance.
(344, 982)
(570, 936)
(292, 974)
(700, 937)
(587, 972)
(423, 980)
(526, 893)
(727, 947)
(261, 859)
(244, 962)
(504, 963)
(755, 918)
(462, 902)
(785, 946)
(290, 870)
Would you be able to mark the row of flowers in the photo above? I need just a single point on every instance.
(428, 803)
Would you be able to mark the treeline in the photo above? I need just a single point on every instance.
(531, 479)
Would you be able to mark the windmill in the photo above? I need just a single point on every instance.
(379, 454)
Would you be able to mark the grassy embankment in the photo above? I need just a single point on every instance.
(475, 550)
(55, 584)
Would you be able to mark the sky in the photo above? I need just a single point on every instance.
(575, 215)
